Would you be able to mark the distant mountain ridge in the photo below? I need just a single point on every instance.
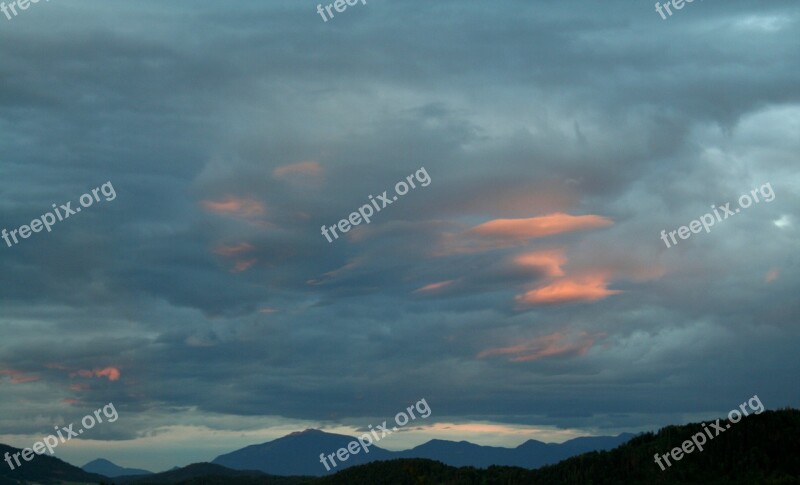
(104, 467)
(298, 453)
(762, 449)
(43, 469)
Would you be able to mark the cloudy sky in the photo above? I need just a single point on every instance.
(524, 292)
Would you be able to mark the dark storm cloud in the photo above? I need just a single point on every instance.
(232, 132)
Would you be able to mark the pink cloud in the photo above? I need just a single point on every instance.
(112, 373)
(549, 261)
(237, 250)
(503, 233)
(326, 277)
(241, 266)
(234, 249)
(309, 168)
(537, 227)
(553, 345)
(231, 206)
(18, 377)
(568, 290)
(433, 286)
(771, 276)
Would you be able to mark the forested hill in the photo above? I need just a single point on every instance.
(760, 449)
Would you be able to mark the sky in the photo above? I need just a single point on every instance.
(523, 287)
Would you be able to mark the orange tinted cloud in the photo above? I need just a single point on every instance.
(243, 265)
(536, 227)
(301, 168)
(233, 250)
(433, 286)
(326, 277)
(494, 434)
(568, 290)
(17, 377)
(771, 276)
(112, 373)
(503, 233)
(553, 345)
(235, 207)
(549, 261)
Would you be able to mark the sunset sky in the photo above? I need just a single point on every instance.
(524, 293)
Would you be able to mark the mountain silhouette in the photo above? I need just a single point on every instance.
(298, 453)
(531, 454)
(761, 449)
(42, 469)
(106, 468)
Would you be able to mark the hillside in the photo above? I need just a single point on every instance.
(207, 473)
(43, 469)
(761, 449)
(296, 454)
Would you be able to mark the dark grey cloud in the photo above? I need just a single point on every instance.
(208, 285)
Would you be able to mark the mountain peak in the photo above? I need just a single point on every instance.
(306, 431)
(101, 466)
(298, 453)
(99, 461)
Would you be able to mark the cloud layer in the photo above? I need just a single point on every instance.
(525, 286)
